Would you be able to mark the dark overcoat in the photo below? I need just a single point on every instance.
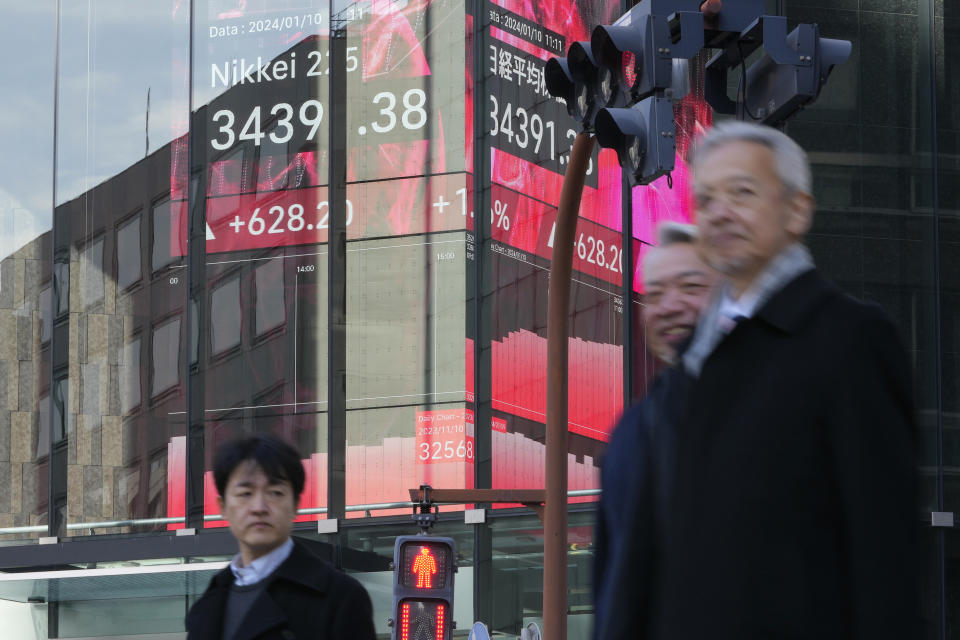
(794, 510)
(305, 599)
(636, 476)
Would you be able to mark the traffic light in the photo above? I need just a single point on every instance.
(423, 568)
(774, 92)
(643, 137)
(620, 84)
(635, 54)
(572, 79)
(786, 78)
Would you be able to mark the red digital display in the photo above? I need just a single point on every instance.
(260, 128)
(423, 620)
(425, 565)
(529, 135)
(257, 220)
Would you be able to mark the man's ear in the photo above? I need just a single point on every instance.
(800, 208)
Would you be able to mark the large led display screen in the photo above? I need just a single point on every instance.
(529, 134)
(259, 159)
(528, 137)
(261, 119)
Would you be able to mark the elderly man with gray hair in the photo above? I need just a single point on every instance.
(637, 467)
(793, 511)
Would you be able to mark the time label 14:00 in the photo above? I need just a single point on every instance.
(279, 122)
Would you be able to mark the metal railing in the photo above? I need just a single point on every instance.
(140, 522)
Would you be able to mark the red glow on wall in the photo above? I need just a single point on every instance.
(596, 381)
(424, 566)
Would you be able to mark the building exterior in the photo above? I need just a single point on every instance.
(176, 270)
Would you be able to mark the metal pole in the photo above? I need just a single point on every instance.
(337, 273)
(558, 306)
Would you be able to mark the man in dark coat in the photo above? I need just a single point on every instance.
(637, 465)
(793, 512)
(274, 588)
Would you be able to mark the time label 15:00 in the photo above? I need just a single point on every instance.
(279, 219)
(279, 122)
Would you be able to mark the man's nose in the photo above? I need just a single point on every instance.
(258, 502)
(671, 302)
(718, 210)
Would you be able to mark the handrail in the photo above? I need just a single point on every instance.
(136, 522)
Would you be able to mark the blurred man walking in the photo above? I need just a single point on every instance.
(638, 462)
(793, 512)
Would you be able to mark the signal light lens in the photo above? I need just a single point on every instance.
(423, 620)
(583, 101)
(607, 85)
(628, 64)
(405, 622)
(424, 565)
(635, 152)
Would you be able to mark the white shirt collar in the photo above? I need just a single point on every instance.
(743, 307)
(261, 567)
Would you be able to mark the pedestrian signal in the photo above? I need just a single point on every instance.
(423, 568)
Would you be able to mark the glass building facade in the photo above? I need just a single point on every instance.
(334, 221)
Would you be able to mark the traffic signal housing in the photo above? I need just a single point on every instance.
(643, 137)
(635, 54)
(620, 84)
(774, 92)
(423, 579)
(786, 78)
(572, 78)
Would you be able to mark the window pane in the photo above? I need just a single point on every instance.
(130, 377)
(128, 254)
(225, 316)
(271, 306)
(166, 352)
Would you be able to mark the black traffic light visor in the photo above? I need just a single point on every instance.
(609, 42)
(582, 64)
(558, 79)
(571, 78)
(619, 129)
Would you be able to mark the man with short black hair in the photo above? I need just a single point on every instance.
(275, 587)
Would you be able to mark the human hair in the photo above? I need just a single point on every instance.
(791, 162)
(670, 233)
(279, 461)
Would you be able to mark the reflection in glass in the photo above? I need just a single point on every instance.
(166, 351)
(43, 432)
(162, 236)
(45, 300)
(60, 425)
(130, 377)
(128, 253)
(271, 306)
(91, 274)
(61, 286)
(225, 316)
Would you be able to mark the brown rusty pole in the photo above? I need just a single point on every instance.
(558, 308)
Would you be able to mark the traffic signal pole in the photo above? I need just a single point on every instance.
(558, 313)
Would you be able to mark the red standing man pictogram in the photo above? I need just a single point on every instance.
(424, 566)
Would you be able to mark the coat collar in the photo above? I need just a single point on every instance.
(299, 567)
(205, 619)
(791, 307)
